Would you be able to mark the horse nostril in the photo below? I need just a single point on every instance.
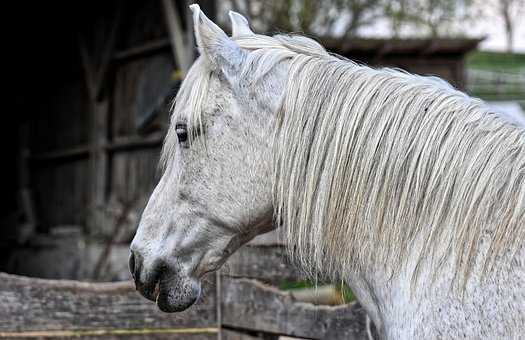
(135, 267)
(131, 263)
(147, 278)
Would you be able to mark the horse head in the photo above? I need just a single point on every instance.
(215, 193)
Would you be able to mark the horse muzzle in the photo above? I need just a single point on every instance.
(164, 284)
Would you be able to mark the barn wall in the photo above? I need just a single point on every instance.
(61, 183)
(60, 121)
(60, 142)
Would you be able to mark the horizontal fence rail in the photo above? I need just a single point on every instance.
(38, 308)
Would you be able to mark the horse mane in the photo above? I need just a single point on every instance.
(369, 160)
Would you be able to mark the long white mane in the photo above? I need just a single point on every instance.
(367, 160)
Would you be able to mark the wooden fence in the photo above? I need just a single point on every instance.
(241, 302)
(36, 308)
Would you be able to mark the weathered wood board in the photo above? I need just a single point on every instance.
(268, 264)
(272, 238)
(250, 305)
(62, 308)
(125, 336)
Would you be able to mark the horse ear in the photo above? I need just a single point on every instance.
(223, 53)
(240, 26)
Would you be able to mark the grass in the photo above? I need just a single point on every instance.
(287, 285)
(496, 61)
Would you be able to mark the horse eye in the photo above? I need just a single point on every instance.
(182, 132)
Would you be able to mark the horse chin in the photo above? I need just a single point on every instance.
(177, 294)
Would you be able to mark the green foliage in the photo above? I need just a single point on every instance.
(496, 61)
(346, 292)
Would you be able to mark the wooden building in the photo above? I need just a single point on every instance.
(442, 57)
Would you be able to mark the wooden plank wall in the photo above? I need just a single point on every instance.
(61, 138)
(60, 122)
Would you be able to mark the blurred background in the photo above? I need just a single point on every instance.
(89, 85)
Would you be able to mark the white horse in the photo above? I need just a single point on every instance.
(405, 188)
